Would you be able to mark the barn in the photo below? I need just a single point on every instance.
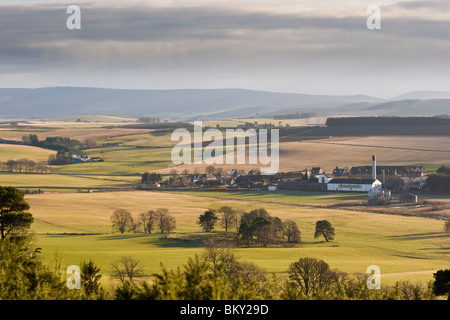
(354, 185)
(408, 198)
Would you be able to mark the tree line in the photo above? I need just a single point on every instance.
(160, 219)
(440, 181)
(53, 143)
(257, 227)
(254, 228)
(25, 166)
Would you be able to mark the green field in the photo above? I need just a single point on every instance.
(15, 152)
(23, 180)
(76, 227)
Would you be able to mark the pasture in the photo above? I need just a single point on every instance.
(15, 152)
(76, 227)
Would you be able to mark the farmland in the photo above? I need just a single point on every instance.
(76, 226)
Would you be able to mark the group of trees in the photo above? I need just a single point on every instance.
(53, 143)
(258, 227)
(25, 166)
(61, 157)
(65, 147)
(440, 182)
(122, 220)
(151, 178)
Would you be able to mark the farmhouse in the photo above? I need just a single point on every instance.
(340, 172)
(82, 158)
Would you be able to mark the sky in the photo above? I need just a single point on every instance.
(301, 46)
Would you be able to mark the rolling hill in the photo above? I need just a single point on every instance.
(184, 104)
(203, 104)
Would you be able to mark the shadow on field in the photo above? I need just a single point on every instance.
(65, 234)
(158, 240)
(441, 250)
(419, 236)
(123, 236)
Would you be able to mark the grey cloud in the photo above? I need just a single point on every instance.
(169, 38)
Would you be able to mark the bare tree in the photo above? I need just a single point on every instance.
(166, 222)
(135, 223)
(239, 214)
(219, 252)
(127, 269)
(311, 275)
(210, 170)
(292, 232)
(121, 219)
(89, 143)
(228, 217)
(447, 226)
(161, 213)
(174, 173)
(148, 220)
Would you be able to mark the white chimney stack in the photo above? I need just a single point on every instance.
(374, 168)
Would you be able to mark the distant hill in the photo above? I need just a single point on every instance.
(410, 107)
(185, 104)
(422, 95)
(204, 104)
(405, 108)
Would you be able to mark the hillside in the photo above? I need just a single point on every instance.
(168, 104)
(423, 95)
(405, 107)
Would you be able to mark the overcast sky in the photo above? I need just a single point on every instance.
(303, 46)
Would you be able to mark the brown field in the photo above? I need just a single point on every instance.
(351, 151)
(78, 134)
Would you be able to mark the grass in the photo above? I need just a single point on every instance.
(77, 227)
(281, 196)
(15, 152)
(25, 180)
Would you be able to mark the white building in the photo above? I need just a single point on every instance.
(356, 185)
(323, 178)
